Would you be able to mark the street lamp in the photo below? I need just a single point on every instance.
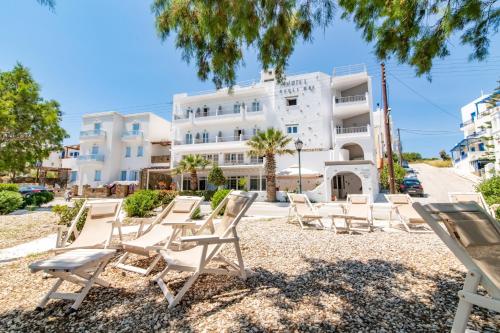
(298, 145)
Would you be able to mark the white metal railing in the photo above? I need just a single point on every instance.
(352, 130)
(349, 70)
(235, 138)
(92, 133)
(91, 157)
(202, 114)
(132, 134)
(350, 99)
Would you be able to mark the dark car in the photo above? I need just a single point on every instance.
(30, 189)
(412, 186)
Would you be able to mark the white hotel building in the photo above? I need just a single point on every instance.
(332, 115)
(114, 148)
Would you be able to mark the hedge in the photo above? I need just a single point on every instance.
(490, 189)
(141, 203)
(10, 201)
(9, 187)
(38, 199)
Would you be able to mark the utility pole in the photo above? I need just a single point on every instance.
(388, 142)
(400, 149)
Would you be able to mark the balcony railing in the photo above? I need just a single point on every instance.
(350, 99)
(349, 70)
(215, 140)
(92, 133)
(91, 157)
(352, 130)
(160, 159)
(132, 134)
(219, 112)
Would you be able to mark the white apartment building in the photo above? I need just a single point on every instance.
(477, 149)
(115, 148)
(332, 115)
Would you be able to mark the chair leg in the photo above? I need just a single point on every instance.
(89, 285)
(464, 307)
(183, 290)
(241, 264)
(153, 264)
(52, 290)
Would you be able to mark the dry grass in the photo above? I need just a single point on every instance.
(304, 280)
(28, 226)
(437, 163)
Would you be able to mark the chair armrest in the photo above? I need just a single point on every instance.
(180, 224)
(60, 229)
(155, 248)
(202, 239)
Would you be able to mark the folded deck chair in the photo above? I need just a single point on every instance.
(97, 232)
(161, 233)
(462, 197)
(409, 218)
(358, 213)
(302, 210)
(474, 238)
(207, 247)
(80, 266)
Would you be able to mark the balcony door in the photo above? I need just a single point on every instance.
(238, 133)
(94, 150)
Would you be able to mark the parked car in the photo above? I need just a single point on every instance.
(405, 164)
(30, 189)
(412, 186)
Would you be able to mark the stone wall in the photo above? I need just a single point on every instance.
(121, 191)
(100, 192)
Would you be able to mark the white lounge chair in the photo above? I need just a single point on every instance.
(302, 210)
(207, 247)
(477, 197)
(358, 213)
(97, 232)
(408, 217)
(160, 233)
(81, 267)
(474, 238)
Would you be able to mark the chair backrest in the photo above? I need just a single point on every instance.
(473, 236)
(358, 199)
(301, 203)
(461, 197)
(236, 203)
(180, 209)
(398, 199)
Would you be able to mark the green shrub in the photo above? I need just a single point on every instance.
(196, 214)
(9, 187)
(399, 174)
(490, 189)
(165, 197)
(37, 199)
(67, 214)
(206, 194)
(10, 201)
(141, 203)
(217, 198)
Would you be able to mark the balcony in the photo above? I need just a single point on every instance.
(92, 135)
(350, 99)
(227, 114)
(90, 159)
(133, 135)
(350, 106)
(160, 159)
(214, 143)
(347, 131)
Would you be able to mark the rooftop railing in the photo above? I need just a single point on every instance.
(349, 70)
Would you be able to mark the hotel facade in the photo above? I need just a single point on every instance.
(332, 114)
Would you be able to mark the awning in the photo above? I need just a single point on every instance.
(293, 171)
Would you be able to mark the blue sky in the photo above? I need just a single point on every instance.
(105, 55)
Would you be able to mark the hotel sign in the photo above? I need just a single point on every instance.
(295, 86)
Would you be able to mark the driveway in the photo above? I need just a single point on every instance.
(437, 182)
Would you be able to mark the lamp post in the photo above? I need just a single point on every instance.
(298, 145)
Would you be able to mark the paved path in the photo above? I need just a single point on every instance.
(437, 182)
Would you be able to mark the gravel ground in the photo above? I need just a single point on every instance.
(304, 280)
(26, 226)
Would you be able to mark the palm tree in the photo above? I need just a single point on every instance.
(189, 164)
(270, 143)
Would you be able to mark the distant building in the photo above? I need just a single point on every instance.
(478, 147)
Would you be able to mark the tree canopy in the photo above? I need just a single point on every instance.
(29, 125)
(215, 33)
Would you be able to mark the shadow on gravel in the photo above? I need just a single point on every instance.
(342, 296)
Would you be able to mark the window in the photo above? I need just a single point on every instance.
(481, 147)
(205, 137)
(256, 160)
(202, 183)
(291, 101)
(255, 130)
(186, 184)
(255, 106)
(97, 126)
(292, 129)
(189, 138)
(233, 183)
(140, 151)
(236, 108)
(133, 175)
(123, 175)
(254, 183)
(128, 151)
(97, 175)
(94, 150)
(136, 127)
(211, 157)
(74, 176)
(233, 158)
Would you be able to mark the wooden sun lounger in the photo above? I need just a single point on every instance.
(207, 247)
(474, 238)
(81, 267)
(303, 211)
(358, 213)
(407, 216)
(172, 222)
(477, 197)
